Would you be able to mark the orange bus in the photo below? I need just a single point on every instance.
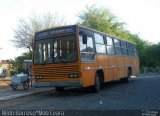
(76, 56)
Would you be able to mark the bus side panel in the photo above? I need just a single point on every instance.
(136, 65)
(120, 66)
(106, 70)
(126, 63)
(88, 75)
(115, 68)
(112, 71)
(131, 61)
(102, 62)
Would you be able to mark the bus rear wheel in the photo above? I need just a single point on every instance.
(128, 78)
(59, 89)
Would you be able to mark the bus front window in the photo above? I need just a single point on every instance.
(55, 50)
(42, 52)
(65, 49)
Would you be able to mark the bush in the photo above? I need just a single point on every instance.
(157, 69)
(13, 73)
(150, 70)
(143, 70)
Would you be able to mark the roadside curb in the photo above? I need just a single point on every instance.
(22, 95)
(150, 74)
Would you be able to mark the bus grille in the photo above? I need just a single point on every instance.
(49, 71)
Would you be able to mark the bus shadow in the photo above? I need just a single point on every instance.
(115, 84)
(68, 92)
(84, 91)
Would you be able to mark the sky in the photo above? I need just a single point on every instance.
(142, 17)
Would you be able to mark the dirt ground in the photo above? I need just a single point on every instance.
(4, 83)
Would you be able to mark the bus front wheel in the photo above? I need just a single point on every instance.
(97, 84)
(59, 89)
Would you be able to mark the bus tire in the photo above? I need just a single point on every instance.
(128, 78)
(97, 83)
(59, 89)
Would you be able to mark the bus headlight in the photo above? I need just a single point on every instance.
(38, 77)
(73, 75)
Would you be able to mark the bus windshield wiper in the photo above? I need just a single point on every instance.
(45, 61)
(62, 60)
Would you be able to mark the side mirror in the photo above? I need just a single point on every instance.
(84, 39)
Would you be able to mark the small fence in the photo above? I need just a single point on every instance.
(148, 70)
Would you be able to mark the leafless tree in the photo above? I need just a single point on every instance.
(24, 32)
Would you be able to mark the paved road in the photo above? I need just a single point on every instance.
(141, 94)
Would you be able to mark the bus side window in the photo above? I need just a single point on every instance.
(128, 49)
(100, 46)
(117, 46)
(134, 50)
(131, 49)
(110, 46)
(86, 49)
(124, 48)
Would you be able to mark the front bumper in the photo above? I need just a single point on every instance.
(57, 84)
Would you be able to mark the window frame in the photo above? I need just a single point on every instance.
(98, 43)
(118, 47)
(109, 45)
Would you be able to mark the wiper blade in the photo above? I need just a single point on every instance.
(45, 61)
(62, 60)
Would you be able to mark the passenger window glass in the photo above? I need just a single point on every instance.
(90, 44)
(117, 47)
(117, 43)
(86, 50)
(110, 50)
(110, 46)
(109, 41)
(124, 48)
(128, 49)
(98, 38)
(100, 48)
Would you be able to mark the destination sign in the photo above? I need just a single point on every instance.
(56, 31)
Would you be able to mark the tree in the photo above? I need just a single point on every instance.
(24, 32)
(152, 55)
(18, 61)
(103, 20)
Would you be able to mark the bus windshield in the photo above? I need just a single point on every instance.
(55, 50)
